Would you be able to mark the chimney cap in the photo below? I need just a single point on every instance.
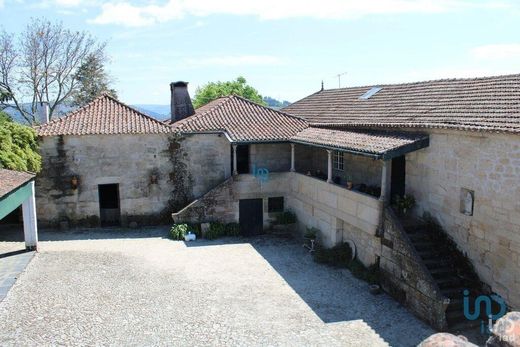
(179, 84)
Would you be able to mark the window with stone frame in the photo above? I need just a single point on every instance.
(337, 161)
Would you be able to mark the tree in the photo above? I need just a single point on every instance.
(215, 90)
(93, 81)
(18, 146)
(41, 65)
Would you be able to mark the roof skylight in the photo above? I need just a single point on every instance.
(370, 93)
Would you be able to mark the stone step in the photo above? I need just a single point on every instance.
(443, 271)
(418, 237)
(453, 293)
(435, 263)
(449, 282)
(423, 245)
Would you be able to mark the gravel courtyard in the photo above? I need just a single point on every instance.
(139, 288)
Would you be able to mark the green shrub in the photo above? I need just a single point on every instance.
(232, 229)
(216, 230)
(340, 256)
(337, 256)
(370, 274)
(195, 229)
(311, 233)
(18, 146)
(178, 231)
(286, 217)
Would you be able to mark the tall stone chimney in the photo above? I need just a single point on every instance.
(42, 109)
(181, 106)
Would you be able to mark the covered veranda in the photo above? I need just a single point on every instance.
(360, 160)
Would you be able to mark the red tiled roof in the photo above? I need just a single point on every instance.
(242, 120)
(479, 104)
(376, 143)
(104, 115)
(10, 180)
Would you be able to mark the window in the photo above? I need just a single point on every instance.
(337, 161)
(275, 204)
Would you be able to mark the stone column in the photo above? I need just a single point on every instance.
(329, 166)
(383, 199)
(385, 182)
(292, 157)
(235, 169)
(30, 229)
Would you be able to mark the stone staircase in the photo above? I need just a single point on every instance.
(449, 269)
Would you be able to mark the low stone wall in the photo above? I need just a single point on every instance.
(340, 214)
(405, 277)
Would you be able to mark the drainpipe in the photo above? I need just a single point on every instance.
(292, 157)
(235, 170)
(329, 166)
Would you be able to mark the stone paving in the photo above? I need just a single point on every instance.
(139, 288)
(13, 261)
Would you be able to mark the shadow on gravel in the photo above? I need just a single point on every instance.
(14, 233)
(334, 295)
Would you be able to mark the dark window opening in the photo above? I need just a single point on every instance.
(243, 159)
(275, 204)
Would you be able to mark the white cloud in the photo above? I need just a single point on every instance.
(497, 51)
(124, 13)
(234, 60)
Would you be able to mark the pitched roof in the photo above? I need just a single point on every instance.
(10, 180)
(104, 115)
(479, 104)
(242, 120)
(377, 144)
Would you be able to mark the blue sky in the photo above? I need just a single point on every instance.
(285, 48)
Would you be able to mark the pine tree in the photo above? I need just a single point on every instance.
(93, 81)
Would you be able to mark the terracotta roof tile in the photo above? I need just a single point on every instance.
(104, 115)
(366, 141)
(242, 120)
(10, 180)
(479, 104)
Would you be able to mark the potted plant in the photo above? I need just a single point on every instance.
(310, 236)
(350, 184)
(404, 204)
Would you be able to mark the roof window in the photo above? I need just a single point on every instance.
(370, 93)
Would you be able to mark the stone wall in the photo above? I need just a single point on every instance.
(340, 214)
(489, 165)
(275, 157)
(208, 160)
(406, 278)
(128, 160)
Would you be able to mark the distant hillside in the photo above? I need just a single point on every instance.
(160, 112)
(274, 103)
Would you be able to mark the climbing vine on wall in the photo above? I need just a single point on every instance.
(180, 176)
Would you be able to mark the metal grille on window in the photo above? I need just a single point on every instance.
(337, 161)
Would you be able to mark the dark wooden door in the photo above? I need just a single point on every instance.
(251, 217)
(243, 159)
(398, 177)
(109, 211)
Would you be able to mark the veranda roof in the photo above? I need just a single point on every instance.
(375, 144)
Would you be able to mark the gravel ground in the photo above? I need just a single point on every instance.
(139, 288)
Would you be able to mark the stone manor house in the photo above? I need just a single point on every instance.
(335, 159)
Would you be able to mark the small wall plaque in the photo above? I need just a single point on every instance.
(467, 200)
